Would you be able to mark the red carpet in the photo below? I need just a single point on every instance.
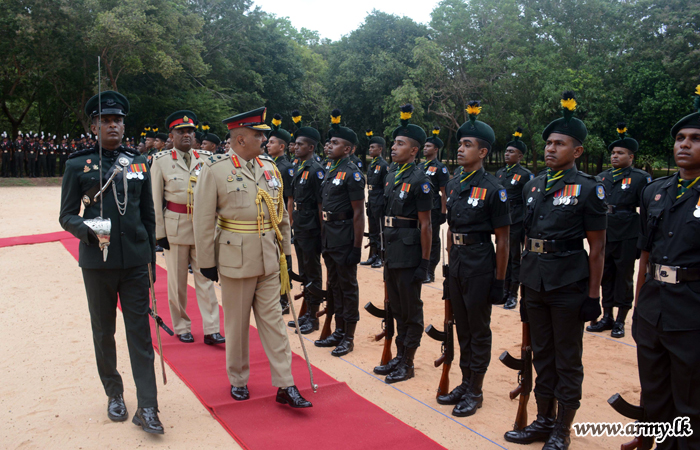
(34, 239)
(340, 419)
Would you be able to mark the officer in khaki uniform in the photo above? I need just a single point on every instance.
(229, 224)
(174, 174)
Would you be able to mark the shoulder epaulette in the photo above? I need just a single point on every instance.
(586, 175)
(213, 159)
(267, 157)
(129, 152)
(160, 154)
(87, 151)
(661, 179)
(205, 152)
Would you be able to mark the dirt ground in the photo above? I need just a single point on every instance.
(50, 394)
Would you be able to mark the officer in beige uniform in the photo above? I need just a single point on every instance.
(239, 210)
(174, 174)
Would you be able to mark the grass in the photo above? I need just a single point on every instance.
(30, 182)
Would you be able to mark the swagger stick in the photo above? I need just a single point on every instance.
(155, 312)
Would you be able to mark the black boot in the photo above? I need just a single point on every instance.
(310, 325)
(372, 257)
(541, 428)
(284, 304)
(512, 299)
(454, 396)
(472, 399)
(387, 368)
(377, 261)
(404, 369)
(302, 319)
(560, 439)
(334, 339)
(606, 323)
(506, 292)
(347, 344)
(147, 419)
(618, 329)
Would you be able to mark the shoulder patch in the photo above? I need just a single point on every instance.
(600, 192)
(503, 195)
(291, 172)
(319, 174)
(648, 179)
(444, 170)
(359, 164)
(426, 188)
(357, 176)
(532, 176)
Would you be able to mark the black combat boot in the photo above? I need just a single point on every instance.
(618, 329)
(334, 339)
(541, 428)
(472, 399)
(302, 319)
(404, 369)
(560, 439)
(506, 292)
(387, 368)
(456, 394)
(512, 300)
(377, 262)
(347, 344)
(606, 323)
(372, 257)
(310, 325)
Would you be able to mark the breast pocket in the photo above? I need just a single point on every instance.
(692, 230)
(238, 195)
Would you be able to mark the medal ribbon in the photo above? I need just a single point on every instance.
(405, 167)
(684, 185)
(305, 175)
(340, 175)
(335, 165)
(405, 187)
(571, 190)
(478, 193)
(627, 181)
(517, 177)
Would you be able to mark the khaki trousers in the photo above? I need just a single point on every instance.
(176, 260)
(262, 294)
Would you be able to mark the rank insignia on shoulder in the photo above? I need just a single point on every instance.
(503, 195)
(648, 179)
(291, 172)
(600, 192)
(444, 170)
(319, 174)
(426, 188)
(357, 176)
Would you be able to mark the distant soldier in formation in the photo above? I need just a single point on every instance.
(376, 173)
(63, 152)
(42, 153)
(6, 149)
(51, 155)
(31, 158)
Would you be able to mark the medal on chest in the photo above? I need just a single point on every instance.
(626, 183)
(515, 179)
(377, 168)
(272, 180)
(405, 187)
(431, 171)
(304, 177)
(567, 196)
(477, 196)
(135, 171)
(339, 177)
(696, 213)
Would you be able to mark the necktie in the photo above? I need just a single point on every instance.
(553, 177)
(617, 174)
(249, 165)
(186, 157)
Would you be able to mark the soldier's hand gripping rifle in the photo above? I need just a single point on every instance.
(636, 413)
(524, 368)
(447, 336)
(304, 289)
(385, 314)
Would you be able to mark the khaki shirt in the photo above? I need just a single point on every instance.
(229, 192)
(171, 178)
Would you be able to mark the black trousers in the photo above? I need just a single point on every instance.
(435, 247)
(51, 166)
(406, 306)
(41, 168)
(472, 312)
(669, 363)
(5, 165)
(374, 219)
(557, 341)
(131, 287)
(343, 281)
(61, 166)
(309, 261)
(31, 167)
(618, 273)
(517, 236)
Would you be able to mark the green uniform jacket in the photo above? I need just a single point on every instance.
(132, 240)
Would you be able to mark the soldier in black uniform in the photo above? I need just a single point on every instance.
(64, 151)
(42, 150)
(122, 272)
(6, 149)
(31, 158)
(513, 177)
(20, 148)
(666, 321)
(51, 154)
(343, 195)
(438, 175)
(150, 135)
(376, 172)
(307, 215)
(561, 283)
(477, 206)
(407, 235)
(623, 186)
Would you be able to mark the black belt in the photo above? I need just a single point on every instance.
(470, 238)
(373, 188)
(675, 274)
(612, 209)
(553, 246)
(305, 206)
(332, 217)
(515, 201)
(395, 222)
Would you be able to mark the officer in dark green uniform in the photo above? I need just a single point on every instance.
(63, 153)
(343, 195)
(623, 186)
(41, 151)
(438, 175)
(561, 283)
(666, 322)
(6, 150)
(513, 177)
(31, 158)
(121, 273)
(376, 172)
(20, 149)
(477, 206)
(407, 237)
(306, 207)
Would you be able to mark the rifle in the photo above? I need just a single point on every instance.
(326, 295)
(304, 287)
(447, 336)
(385, 314)
(154, 314)
(524, 368)
(636, 413)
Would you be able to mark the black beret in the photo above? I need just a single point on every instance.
(516, 142)
(407, 129)
(476, 128)
(434, 139)
(691, 120)
(624, 141)
(375, 139)
(211, 137)
(567, 125)
(340, 132)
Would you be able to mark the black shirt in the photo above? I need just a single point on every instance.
(376, 173)
(625, 193)
(306, 191)
(513, 178)
(475, 206)
(406, 192)
(355, 160)
(586, 211)
(342, 185)
(287, 171)
(438, 175)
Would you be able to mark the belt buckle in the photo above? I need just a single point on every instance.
(389, 221)
(666, 274)
(536, 245)
(611, 209)
(325, 216)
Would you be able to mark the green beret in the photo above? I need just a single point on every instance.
(691, 120)
(340, 132)
(434, 139)
(279, 132)
(198, 135)
(374, 139)
(113, 103)
(624, 141)
(568, 125)
(162, 136)
(181, 119)
(516, 142)
(211, 137)
(407, 129)
(150, 131)
(476, 128)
